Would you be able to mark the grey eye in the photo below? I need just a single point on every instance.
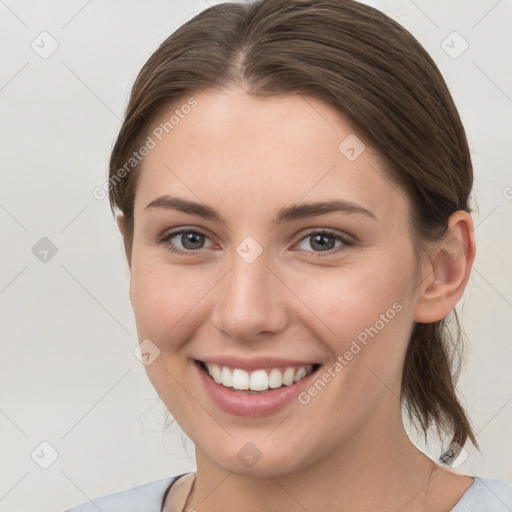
(320, 242)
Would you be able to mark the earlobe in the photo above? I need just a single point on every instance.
(448, 274)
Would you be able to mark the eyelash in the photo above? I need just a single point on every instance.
(337, 236)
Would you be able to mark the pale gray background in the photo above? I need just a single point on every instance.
(68, 374)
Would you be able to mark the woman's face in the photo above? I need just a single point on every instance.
(265, 278)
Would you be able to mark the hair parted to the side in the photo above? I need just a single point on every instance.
(371, 70)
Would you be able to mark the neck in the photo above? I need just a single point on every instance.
(377, 468)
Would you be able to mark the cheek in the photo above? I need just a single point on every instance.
(364, 315)
(166, 298)
(350, 299)
(166, 301)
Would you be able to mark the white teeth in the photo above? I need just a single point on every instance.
(216, 373)
(258, 380)
(301, 373)
(227, 377)
(240, 379)
(275, 379)
(288, 376)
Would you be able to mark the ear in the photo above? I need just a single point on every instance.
(448, 270)
(121, 223)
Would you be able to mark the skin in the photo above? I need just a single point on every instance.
(248, 157)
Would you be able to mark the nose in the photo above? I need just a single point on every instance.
(249, 300)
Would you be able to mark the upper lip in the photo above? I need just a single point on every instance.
(254, 363)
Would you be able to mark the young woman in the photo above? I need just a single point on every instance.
(292, 182)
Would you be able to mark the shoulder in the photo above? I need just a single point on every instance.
(142, 498)
(489, 494)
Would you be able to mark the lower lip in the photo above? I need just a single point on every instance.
(251, 405)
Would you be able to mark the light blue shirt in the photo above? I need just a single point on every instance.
(484, 495)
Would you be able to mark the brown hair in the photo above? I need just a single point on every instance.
(374, 72)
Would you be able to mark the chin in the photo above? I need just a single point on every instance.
(255, 458)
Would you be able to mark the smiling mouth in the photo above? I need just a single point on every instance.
(258, 381)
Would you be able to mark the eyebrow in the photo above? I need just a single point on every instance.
(284, 214)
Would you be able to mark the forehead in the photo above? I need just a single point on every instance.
(246, 149)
